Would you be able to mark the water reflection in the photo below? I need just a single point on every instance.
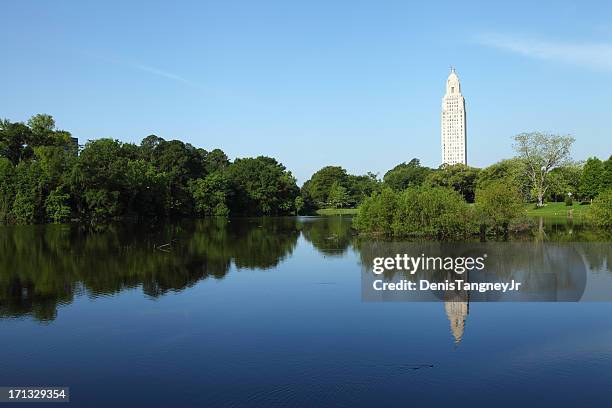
(42, 267)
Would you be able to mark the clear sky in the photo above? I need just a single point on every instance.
(313, 83)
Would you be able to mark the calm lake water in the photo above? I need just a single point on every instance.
(267, 312)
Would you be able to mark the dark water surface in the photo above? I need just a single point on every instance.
(265, 312)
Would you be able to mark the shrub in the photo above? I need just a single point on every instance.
(375, 214)
(210, 195)
(418, 211)
(569, 201)
(498, 204)
(601, 209)
(56, 206)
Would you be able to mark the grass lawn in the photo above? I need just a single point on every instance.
(557, 209)
(337, 211)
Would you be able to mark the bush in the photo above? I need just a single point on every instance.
(418, 211)
(24, 210)
(210, 195)
(498, 204)
(56, 206)
(569, 201)
(601, 209)
(375, 214)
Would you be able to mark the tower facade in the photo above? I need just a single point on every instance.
(454, 131)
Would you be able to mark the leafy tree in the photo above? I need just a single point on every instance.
(593, 178)
(405, 175)
(338, 196)
(459, 177)
(101, 205)
(215, 161)
(181, 162)
(146, 189)
(318, 187)
(439, 212)
(43, 132)
(24, 208)
(607, 183)
(299, 205)
(376, 213)
(7, 189)
(14, 139)
(511, 171)
(211, 195)
(261, 186)
(29, 198)
(417, 211)
(57, 206)
(542, 152)
(564, 180)
(601, 209)
(498, 204)
(360, 187)
(99, 178)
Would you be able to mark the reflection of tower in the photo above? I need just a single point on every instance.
(457, 311)
(457, 306)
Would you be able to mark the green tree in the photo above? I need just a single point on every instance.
(360, 187)
(261, 186)
(99, 179)
(511, 171)
(57, 206)
(564, 180)
(607, 173)
(541, 153)
(299, 205)
(211, 195)
(215, 161)
(14, 139)
(44, 132)
(417, 211)
(146, 189)
(439, 212)
(498, 204)
(459, 177)
(376, 213)
(318, 186)
(101, 205)
(7, 189)
(338, 196)
(593, 178)
(601, 209)
(405, 175)
(28, 206)
(181, 163)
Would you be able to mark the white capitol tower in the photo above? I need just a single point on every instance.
(454, 140)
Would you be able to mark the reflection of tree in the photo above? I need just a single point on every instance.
(568, 229)
(46, 265)
(330, 235)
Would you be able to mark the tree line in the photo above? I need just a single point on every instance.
(45, 177)
(437, 203)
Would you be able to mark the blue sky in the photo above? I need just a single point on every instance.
(313, 83)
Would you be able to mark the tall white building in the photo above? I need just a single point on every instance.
(454, 140)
